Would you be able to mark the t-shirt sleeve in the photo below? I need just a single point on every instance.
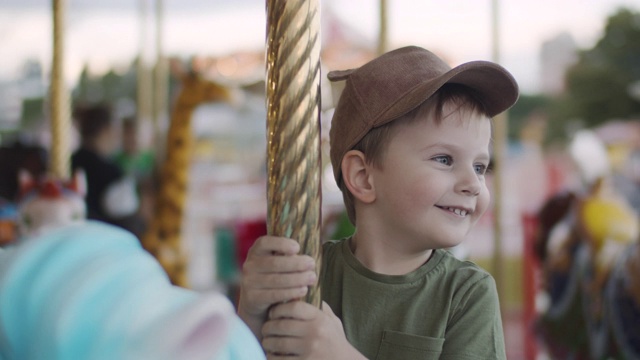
(475, 330)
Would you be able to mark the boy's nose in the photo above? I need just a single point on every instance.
(468, 182)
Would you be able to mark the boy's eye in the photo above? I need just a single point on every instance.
(443, 159)
(480, 169)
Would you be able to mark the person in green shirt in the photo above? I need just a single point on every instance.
(133, 160)
(410, 140)
(139, 165)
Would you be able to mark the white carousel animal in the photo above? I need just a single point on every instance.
(82, 289)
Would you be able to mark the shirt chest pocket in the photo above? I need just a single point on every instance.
(401, 346)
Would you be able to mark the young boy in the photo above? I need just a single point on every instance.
(409, 147)
(111, 195)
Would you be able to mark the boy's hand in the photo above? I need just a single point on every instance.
(272, 273)
(297, 330)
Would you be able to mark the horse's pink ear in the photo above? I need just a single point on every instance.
(79, 182)
(25, 182)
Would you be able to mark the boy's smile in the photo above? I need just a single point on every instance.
(430, 188)
(456, 211)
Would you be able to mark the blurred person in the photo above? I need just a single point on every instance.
(139, 164)
(111, 195)
(131, 159)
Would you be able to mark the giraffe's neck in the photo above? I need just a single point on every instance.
(179, 139)
(163, 236)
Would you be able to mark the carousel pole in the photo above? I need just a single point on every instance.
(293, 126)
(59, 95)
(161, 76)
(499, 147)
(144, 79)
(382, 31)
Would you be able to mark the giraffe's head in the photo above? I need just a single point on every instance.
(196, 88)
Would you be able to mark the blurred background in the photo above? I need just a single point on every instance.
(577, 119)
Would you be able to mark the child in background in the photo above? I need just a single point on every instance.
(138, 164)
(133, 160)
(111, 195)
(410, 142)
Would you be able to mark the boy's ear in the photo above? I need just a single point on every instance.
(356, 175)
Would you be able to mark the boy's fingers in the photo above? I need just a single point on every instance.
(280, 281)
(282, 357)
(277, 296)
(299, 310)
(267, 245)
(327, 309)
(279, 264)
(284, 347)
(283, 327)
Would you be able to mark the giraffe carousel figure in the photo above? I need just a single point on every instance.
(163, 236)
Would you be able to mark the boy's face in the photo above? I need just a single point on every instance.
(430, 189)
(107, 141)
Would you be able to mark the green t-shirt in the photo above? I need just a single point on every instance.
(139, 165)
(446, 309)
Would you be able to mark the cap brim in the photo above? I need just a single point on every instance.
(496, 88)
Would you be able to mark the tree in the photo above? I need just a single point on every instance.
(598, 85)
(107, 88)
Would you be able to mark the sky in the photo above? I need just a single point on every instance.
(104, 34)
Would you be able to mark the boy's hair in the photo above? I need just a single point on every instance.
(399, 85)
(129, 123)
(374, 144)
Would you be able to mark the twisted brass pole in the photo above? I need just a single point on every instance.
(59, 99)
(293, 125)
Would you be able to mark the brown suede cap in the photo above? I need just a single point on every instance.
(397, 82)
